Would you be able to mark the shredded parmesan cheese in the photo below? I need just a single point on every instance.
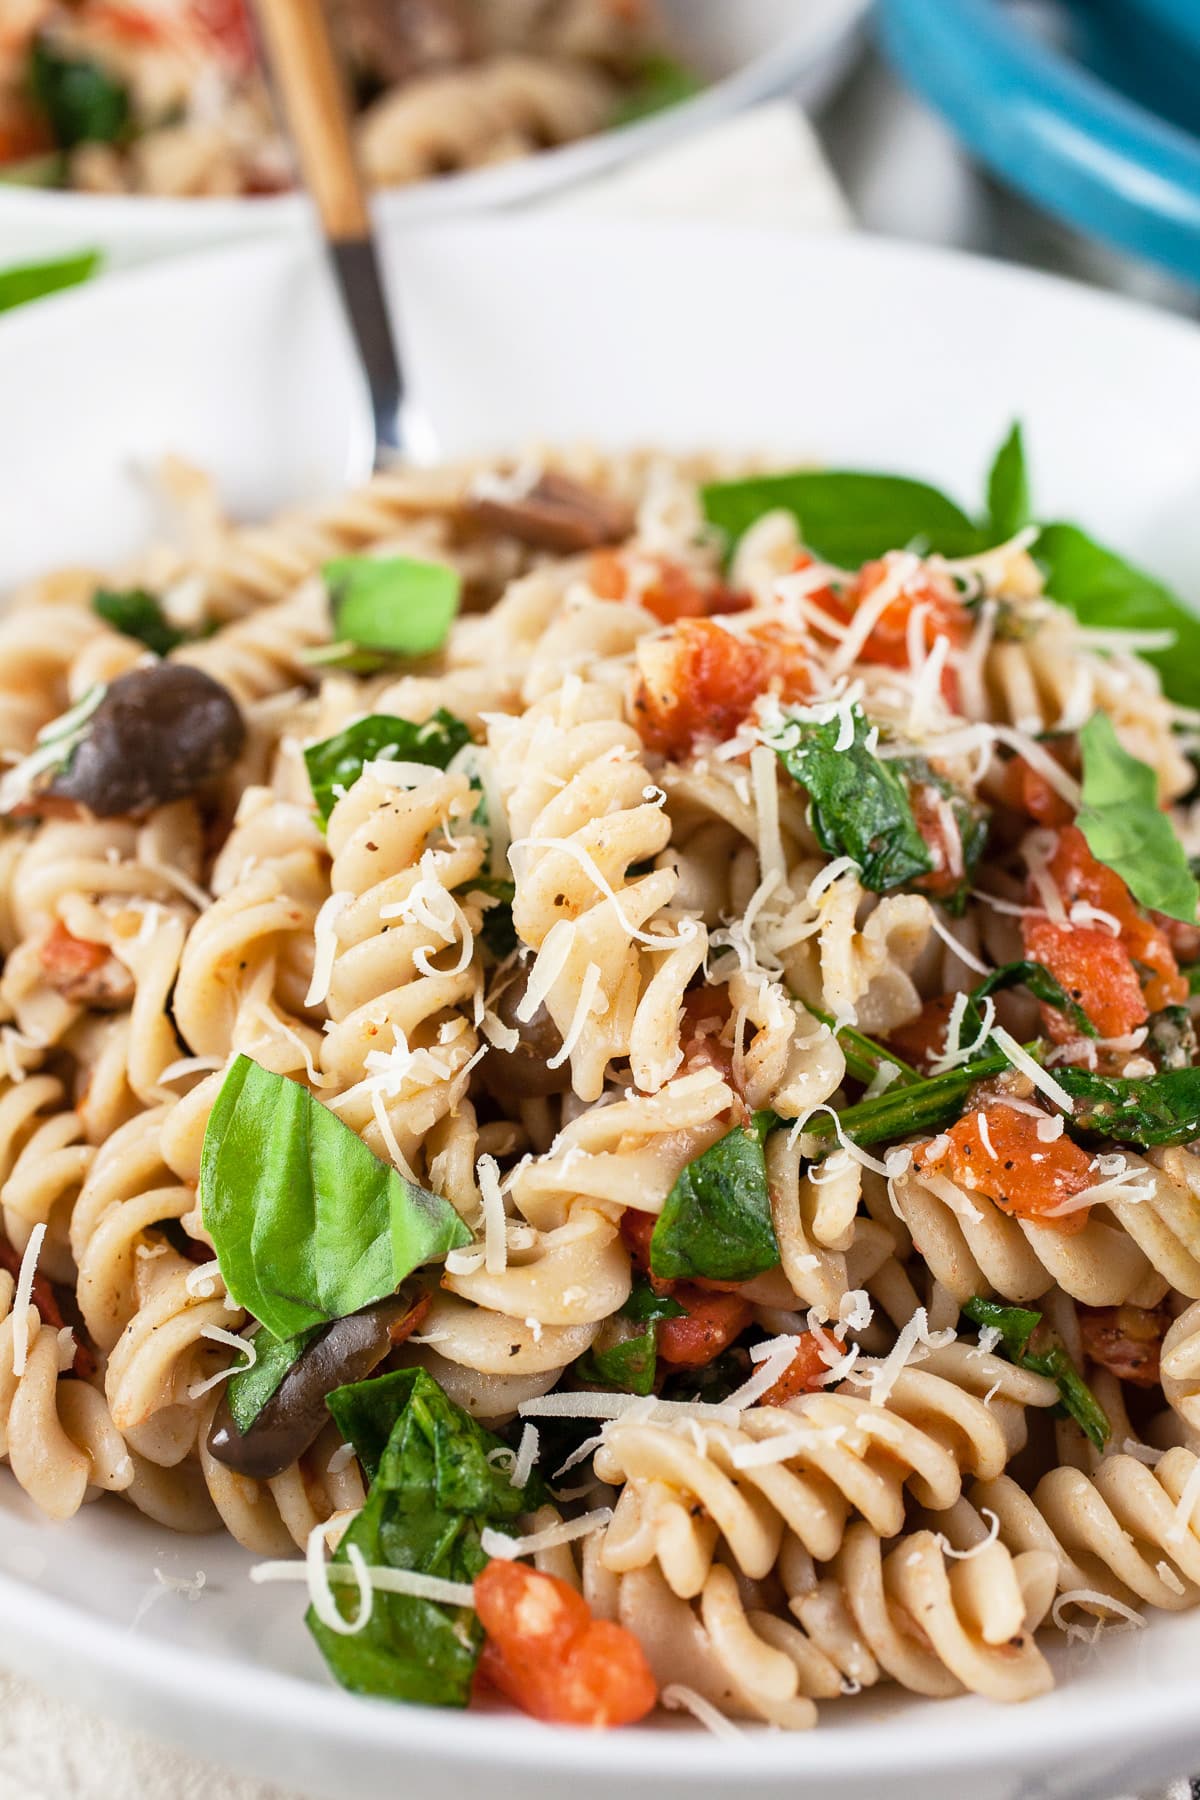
(1021, 1059)
(22, 1299)
(564, 1531)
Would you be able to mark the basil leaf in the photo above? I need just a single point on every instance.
(433, 1491)
(716, 1220)
(82, 101)
(1041, 984)
(659, 83)
(924, 1106)
(249, 1390)
(1017, 1326)
(630, 1364)
(1008, 490)
(1102, 589)
(1124, 828)
(499, 933)
(138, 614)
(392, 603)
(846, 517)
(860, 805)
(1149, 1111)
(308, 1225)
(864, 1057)
(337, 762)
(33, 281)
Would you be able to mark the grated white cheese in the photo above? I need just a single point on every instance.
(1182, 1522)
(527, 1455)
(948, 938)
(776, 1356)
(985, 1136)
(22, 1300)
(495, 1230)
(913, 1345)
(993, 1533)
(564, 1531)
(1040, 759)
(1021, 1059)
(589, 989)
(1092, 1597)
(616, 1406)
(687, 927)
(771, 858)
(218, 1335)
(678, 1698)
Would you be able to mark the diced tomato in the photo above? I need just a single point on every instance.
(938, 825)
(1127, 1340)
(803, 1374)
(637, 1228)
(1027, 791)
(713, 1318)
(66, 958)
(701, 681)
(1020, 1172)
(674, 593)
(550, 1657)
(924, 1037)
(1090, 958)
(888, 642)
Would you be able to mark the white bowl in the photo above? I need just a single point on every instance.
(845, 349)
(751, 50)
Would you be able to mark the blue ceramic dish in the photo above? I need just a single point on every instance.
(1102, 129)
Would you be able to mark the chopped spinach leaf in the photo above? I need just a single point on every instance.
(337, 762)
(135, 613)
(308, 1225)
(392, 603)
(859, 804)
(1018, 1326)
(1008, 503)
(1150, 1111)
(433, 1491)
(1126, 830)
(34, 281)
(628, 1364)
(1041, 984)
(846, 517)
(716, 1220)
(1104, 590)
(83, 103)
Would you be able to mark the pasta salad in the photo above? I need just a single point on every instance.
(604, 1046)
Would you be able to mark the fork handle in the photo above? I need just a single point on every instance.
(313, 93)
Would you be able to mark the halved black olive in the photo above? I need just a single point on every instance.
(293, 1417)
(524, 1073)
(158, 734)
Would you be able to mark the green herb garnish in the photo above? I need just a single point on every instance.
(308, 1225)
(499, 933)
(433, 1492)
(1150, 1111)
(337, 762)
(82, 101)
(860, 805)
(716, 1220)
(864, 1057)
(845, 517)
(1041, 984)
(659, 83)
(921, 1108)
(1017, 1326)
(34, 281)
(393, 604)
(629, 1364)
(1008, 501)
(138, 614)
(249, 1389)
(1124, 828)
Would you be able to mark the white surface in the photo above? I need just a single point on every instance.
(751, 50)
(840, 349)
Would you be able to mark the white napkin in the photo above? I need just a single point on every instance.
(764, 167)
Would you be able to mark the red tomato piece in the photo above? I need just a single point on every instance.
(1020, 1172)
(802, 1375)
(701, 681)
(1027, 791)
(547, 1654)
(714, 1317)
(924, 1037)
(65, 958)
(1096, 970)
(1126, 1340)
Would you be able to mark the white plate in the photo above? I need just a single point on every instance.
(751, 50)
(845, 349)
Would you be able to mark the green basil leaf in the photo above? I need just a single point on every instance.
(249, 1390)
(716, 1220)
(659, 83)
(337, 762)
(1008, 490)
(1102, 589)
(82, 101)
(1124, 828)
(33, 281)
(433, 1491)
(629, 1365)
(138, 614)
(392, 603)
(308, 1225)
(924, 1106)
(1041, 984)
(1149, 1111)
(499, 933)
(1017, 1326)
(860, 805)
(845, 517)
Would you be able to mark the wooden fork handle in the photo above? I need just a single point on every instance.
(310, 85)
